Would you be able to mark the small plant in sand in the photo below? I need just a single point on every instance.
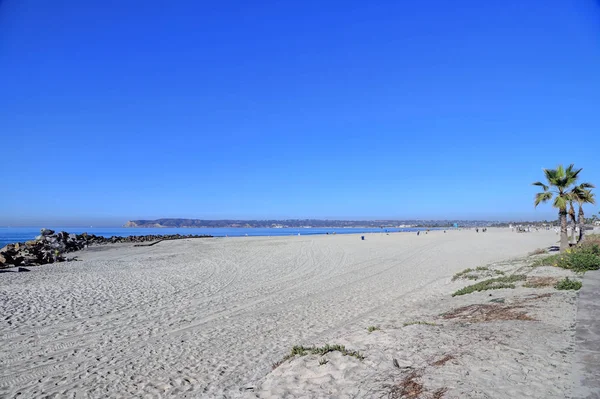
(412, 323)
(568, 284)
(323, 361)
(299, 350)
(373, 328)
(465, 274)
(491, 284)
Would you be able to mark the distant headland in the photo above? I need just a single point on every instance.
(306, 223)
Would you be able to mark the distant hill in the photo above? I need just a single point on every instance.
(298, 223)
(256, 223)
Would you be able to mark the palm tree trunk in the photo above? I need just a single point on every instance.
(581, 225)
(564, 237)
(573, 223)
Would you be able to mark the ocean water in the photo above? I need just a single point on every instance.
(22, 234)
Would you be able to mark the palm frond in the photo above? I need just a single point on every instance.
(540, 184)
(588, 197)
(551, 175)
(542, 197)
(581, 194)
(560, 202)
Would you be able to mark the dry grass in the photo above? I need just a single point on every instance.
(439, 393)
(443, 360)
(411, 388)
(408, 388)
(592, 239)
(481, 313)
(540, 282)
(539, 251)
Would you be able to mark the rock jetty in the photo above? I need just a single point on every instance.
(51, 247)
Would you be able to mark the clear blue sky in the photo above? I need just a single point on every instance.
(119, 110)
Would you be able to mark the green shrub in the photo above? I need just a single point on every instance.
(491, 284)
(591, 248)
(550, 260)
(580, 259)
(568, 284)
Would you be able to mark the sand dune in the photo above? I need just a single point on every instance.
(209, 317)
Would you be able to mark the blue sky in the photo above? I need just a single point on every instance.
(112, 111)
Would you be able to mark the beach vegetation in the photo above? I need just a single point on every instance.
(443, 360)
(568, 284)
(426, 323)
(410, 387)
(579, 259)
(491, 284)
(540, 282)
(477, 273)
(557, 188)
(373, 328)
(488, 312)
(323, 361)
(300, 350)
(465, 274)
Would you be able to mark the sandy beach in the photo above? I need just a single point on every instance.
(210, 317)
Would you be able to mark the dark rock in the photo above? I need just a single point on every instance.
(50, 247)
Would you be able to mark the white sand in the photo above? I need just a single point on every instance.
(209, 317)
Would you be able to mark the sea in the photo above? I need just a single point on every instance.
(10, 235)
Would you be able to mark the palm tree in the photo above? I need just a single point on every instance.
(582, 195)
(559, 181)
